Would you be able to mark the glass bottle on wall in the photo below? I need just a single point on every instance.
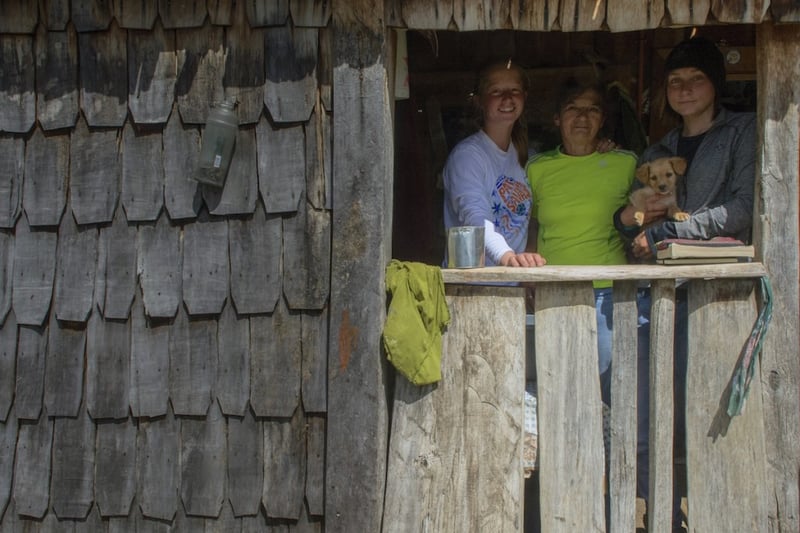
(219, 138)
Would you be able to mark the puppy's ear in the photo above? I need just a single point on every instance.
(643, 172)
(679, 165)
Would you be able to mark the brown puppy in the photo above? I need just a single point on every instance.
(660, 177)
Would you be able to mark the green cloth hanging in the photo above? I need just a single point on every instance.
(416, 318)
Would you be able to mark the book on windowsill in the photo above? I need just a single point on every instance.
(718, 248)
(702, 260)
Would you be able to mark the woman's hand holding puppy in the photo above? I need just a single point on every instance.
(654, 210)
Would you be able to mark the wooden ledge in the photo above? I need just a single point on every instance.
(588, 273)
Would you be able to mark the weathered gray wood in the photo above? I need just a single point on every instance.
(245, 467)
(581, 15)
(12, 161)
(31, 492)
(158, 445)
(255, 255)
(159, 258)
(19, 16)
(314, 13)
(742, 12)
(107, 367)
(570, 451)
(275, 356)
(662, 328)
(244, 67)
(94, 174)
(233, 370)
(224, 522)
(181, 153)
(8, 358)
(240, 192)
(315, 465)
(457, 445)
(485, 15)
(427, 15)
(291, 77)
(784, 11)
(182, 13)
(63, 378)
(73, 466)
(219, 11)
(93, 522)
(318, 159)
(203, 454)
(192, 364)
(267, 12)
(622, 475)
(57, 78)
(206, 272)
(75, 271)
(6, 273)
(722, 497)
(307, 524)
(91, 15)
(284, 466)
(115, 479)
(104, 77)
(136, 15)
(52, 524)
(45, 185)
(622, 15)
(315, 361)
(34, 273)
(200, 78)
(149, 392)
(17, 91)
(152, 75)
(775, 233)
(117, 268)
(31, 352)
(325, 68)
(257, 524)
(147, 525)
(142, 174)
(281, 166)
(357, 410)
(306, 258)
(688, 11)
(8, 445)
(533, 16)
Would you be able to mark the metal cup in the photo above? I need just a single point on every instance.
(465, 247)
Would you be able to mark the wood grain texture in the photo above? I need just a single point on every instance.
(427, 14)
(206, 272)
(457, 445)
(688, 11)
(291, 72)
(6, 274)
(34, 273)
(117, 268)
(784, 10)
(725, 498)
(314, 327)
(622, 15)
(31, 491)
(570, 452)
(275, 356)
(17, 85)
(8, 359)
(581, 15)
(182, 195)
(233, 370)
(63, 377)
(315, 465)
(284, 466)
(149, 393)
(281, 166)
(325, 67)
(19, 16)
(314, 13)
(201, 64)
(192, 364)
(245, 466)
(57, 104)
(75, 271)
(73, 466)
(244, 67)
(152, 74)
(29, 383)
(483, 15)
(107, 367)
(136, 15)
(203, 454)
(160, 257)
(239, 194)
(318, 159)
(91, 15)
(533, 15)
(103, 77)
(12, 165)
(219, 11)
(54, 14)
(182, 13)
(94, 174)
(45, 184)
(740, 12)
(8, 445)
(306, 258)
(775, 232)
(158, 446)
(255, 247)
(142, 175)
(267, 12)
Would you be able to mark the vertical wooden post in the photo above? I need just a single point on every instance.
(361, 227)
(776, 235)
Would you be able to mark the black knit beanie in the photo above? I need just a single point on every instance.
(702, 54)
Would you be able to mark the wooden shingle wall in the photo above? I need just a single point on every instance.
(163, 344)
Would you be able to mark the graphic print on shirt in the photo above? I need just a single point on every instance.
(511, 205)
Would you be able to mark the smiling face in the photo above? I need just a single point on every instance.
(580, 119)
(502, 97)
(690, 93)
